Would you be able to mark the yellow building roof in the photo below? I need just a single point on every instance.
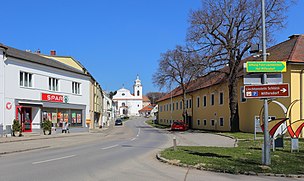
(66, 60)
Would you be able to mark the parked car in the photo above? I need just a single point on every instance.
(118, 122)
(179, 125)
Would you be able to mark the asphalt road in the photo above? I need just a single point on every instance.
(124, 153)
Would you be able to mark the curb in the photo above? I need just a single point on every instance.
(201, 167)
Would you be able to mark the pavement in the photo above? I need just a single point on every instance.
(34, 141)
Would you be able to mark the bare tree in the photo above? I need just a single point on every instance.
(154, 96)
(178, 67)
(225, 30)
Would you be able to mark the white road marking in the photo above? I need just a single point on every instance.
(109, 147)
(54, 159)
(138, 133)
(133, 139)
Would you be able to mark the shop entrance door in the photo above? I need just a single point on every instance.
(24, 115)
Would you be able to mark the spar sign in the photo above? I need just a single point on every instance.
(54, 98)
(266, 91)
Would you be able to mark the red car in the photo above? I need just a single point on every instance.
(179, 125)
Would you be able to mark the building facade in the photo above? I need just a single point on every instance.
(34, 88)
(207, 101)
(94, 119)
(128, 104)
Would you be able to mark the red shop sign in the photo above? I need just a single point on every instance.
(52, 97)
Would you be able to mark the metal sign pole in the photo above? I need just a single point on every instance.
(266, 160)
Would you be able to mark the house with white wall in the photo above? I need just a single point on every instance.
(35, 88)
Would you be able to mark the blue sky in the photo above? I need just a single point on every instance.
(115, 40)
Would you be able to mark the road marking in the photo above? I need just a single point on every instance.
(54, 159)
(109, 147)
(133, 139)
(138, 132)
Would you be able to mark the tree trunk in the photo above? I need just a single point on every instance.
(233, 104)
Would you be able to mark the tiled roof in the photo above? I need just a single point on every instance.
(291, 50)
(147, 108)
(34, 58)
(145, 99)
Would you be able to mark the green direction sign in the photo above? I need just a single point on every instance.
(268, 66)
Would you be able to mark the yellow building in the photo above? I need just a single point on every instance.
(207, 100)
(94, 120)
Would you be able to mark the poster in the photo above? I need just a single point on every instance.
(60, 117)
(66, 117)
(49, 116)
(78, 118)
(54, 117)
(73, 117)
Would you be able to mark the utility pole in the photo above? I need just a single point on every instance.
(266, 153)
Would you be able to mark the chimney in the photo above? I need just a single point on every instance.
(38, 51)
(53, 52)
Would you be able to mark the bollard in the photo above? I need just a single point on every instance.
(174, 143)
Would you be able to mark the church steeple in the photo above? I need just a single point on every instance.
(137, 87)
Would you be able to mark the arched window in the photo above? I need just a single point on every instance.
(123, 104)
(138, 93)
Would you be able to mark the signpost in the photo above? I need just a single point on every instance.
(266, 91)
(266, 66)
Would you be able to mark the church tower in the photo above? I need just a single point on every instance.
(137, 88)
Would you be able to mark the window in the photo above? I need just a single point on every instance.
(212, 100)
(75, 88)
(187, 104)
(221, 121)
(243, 99)
(138, 93)
(160, 108)
(176, 105)
(205, 101)
(123, 104)
(198, 122)
(172, 106)
(25, 79)
(53, 84)
(205, 122)
(197, 101)
(190, 103)
(221, 98)
(123, 94)
(181, 105)
(212, 122)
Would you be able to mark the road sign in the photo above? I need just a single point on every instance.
(266, 91)
(268, 66)
(256, 78)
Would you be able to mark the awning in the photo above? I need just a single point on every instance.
(30, 103)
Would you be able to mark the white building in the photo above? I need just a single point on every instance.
(34, 88)
(108, 110)
(128, 104)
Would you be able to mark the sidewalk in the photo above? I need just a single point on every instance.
(35, 141)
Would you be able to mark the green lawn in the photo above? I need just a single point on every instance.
(244, 158)
(150, 122)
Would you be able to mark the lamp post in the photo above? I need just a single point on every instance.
(266, 153)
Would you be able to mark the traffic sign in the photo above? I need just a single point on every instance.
(267, 66)
(266, 91)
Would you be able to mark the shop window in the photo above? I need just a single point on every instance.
(75, 88)
(25, 79)
(53, 84)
